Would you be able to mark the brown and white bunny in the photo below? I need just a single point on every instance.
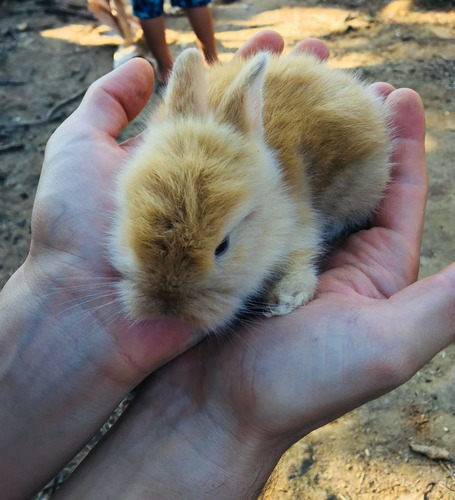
(241, 176)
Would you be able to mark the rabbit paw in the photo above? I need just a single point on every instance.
(294, 290)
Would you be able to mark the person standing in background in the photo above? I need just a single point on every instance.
(151, 17)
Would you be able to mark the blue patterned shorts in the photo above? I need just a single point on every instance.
(147, 9)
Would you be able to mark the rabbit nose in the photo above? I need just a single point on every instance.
(172, 285)
(171, 301)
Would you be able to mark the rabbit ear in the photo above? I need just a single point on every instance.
(187, 87)
(242, 104)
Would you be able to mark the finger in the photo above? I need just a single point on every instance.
(266, 40)
(312, 46)
(403, 207)
(383, 89)
(425, 313)
(117, 98)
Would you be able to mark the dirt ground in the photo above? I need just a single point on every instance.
(50, 51)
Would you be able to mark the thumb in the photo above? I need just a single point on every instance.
(426, 312)
(117, 98)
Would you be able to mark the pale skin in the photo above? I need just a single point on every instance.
(216, 417)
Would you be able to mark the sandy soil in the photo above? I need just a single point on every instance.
(51, 51)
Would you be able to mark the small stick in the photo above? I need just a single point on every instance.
(4, 83)
(50, 115)
(12, 146)
(69, 11)
(62, 103)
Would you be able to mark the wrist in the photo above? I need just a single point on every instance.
(171, 443)
(214, 455)
(45, 369)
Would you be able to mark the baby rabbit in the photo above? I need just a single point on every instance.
(242, 175)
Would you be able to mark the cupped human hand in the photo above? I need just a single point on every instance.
(251, 395)
(369, 328)
(71, 219)
(68, 259)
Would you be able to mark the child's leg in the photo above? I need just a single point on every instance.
(201, 20)
(155, 36)
(150, 14)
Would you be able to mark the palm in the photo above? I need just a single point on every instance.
(334, 344)
(71, 219)
(373, 263)
(82, 195)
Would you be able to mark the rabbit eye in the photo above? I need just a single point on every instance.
(222, 247)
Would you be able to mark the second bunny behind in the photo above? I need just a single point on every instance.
(242, 175)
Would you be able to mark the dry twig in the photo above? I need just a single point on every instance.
(12, 146)
(50, 115)
(432, 452)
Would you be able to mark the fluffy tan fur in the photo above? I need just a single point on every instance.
(265, 158)
(329, 131)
